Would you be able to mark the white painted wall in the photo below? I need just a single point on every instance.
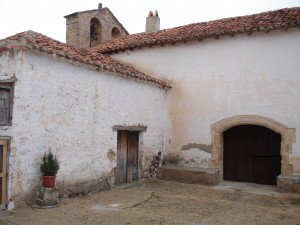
(217, 79)
(72, 109)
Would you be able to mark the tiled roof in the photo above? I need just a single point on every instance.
(261, 22)
(31, 40)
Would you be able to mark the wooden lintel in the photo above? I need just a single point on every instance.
(130, 128)
(9, 80)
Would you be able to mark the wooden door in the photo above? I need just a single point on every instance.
(3, 151)
(237, 154)
(266, 155)
(127, 156)
(252, 154)
(132, 155)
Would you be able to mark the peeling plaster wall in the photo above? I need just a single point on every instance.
(254, 74)
(72, 109)
(7, 64)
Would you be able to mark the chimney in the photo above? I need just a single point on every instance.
(152, 22)
(99, 6)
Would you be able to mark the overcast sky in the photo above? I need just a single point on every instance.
(47, 16)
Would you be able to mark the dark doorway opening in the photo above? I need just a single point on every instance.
(252, 154)
(127, 156)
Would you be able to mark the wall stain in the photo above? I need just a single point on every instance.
(172, 158)
(111, 155)
(202, 147)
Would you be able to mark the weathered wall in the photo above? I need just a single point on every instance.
(7, 65)
(72, 110)
(254, 74)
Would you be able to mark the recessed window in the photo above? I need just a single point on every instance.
(95, 31)
(115, 33)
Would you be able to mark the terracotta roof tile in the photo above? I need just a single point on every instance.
(262, 22)
(31, 40)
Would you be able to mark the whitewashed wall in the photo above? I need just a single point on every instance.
(254, 74)
(72, 109)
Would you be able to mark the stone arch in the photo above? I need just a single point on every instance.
(288, 137)
(95, 31)
(115, 33)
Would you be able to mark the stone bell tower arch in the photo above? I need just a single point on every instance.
(92, 27)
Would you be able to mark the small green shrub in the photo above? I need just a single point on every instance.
(49, 165)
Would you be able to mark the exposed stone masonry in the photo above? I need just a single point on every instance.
(153, 169)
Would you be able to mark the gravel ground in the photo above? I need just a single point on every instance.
(166, 202)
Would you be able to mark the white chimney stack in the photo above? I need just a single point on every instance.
(152, 22)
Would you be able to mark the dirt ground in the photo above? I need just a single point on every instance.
(166, 202)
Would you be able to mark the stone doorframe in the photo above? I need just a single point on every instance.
(288, 137)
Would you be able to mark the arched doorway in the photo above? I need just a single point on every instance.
(251, 154)
(288, 137)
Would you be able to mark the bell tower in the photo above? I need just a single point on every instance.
(92, 27)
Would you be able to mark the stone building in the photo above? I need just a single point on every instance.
(234, 104)
(81, 106)
(220, 95)
(93, 27)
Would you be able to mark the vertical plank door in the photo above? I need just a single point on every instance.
(121, 172)
(3, 150)
(266, 155)
(252, 154)
(127, 156)
(238, 154)
(132, 155)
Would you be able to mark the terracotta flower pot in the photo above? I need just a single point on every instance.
(49, 181)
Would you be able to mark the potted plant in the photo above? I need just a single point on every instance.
(49, 168)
